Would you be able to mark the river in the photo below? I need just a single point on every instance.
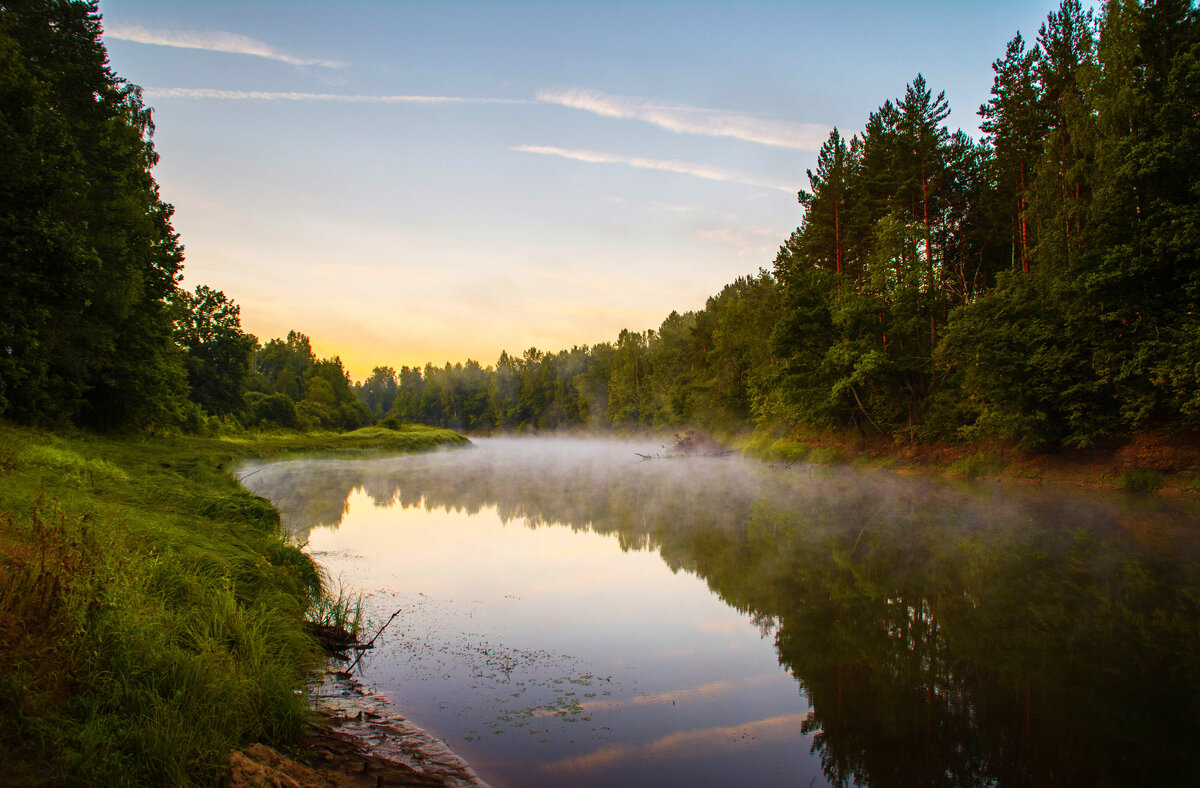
(573, 614)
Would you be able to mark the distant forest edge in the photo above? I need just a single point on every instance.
(1040, 285)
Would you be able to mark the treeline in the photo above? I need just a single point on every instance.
(1040, 284)
(703, 368)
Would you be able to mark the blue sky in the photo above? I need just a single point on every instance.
(409, 182)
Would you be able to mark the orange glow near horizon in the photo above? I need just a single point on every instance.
(395, 345)
(398, 329)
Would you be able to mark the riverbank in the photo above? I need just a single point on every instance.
(152, 616)
(1148, 461)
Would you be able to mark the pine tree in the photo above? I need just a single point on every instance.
(1065, 63)
(1015, 124)
(824, 206)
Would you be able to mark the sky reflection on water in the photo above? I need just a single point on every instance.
(571, 614)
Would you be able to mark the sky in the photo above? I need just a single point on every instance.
(414, 182)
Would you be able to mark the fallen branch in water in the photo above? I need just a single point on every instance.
(371, 643)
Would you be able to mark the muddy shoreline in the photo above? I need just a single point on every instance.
(358, 741)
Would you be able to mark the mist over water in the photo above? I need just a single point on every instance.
(573, 614)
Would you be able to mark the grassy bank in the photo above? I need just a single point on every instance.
(151, 614)
(1140, 462)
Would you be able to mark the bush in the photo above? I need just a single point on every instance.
(273, 410)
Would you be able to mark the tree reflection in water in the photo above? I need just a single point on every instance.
(945, 635)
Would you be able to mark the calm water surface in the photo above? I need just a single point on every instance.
(573, 615)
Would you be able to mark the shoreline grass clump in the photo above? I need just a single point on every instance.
(338, 609)
(152, 614)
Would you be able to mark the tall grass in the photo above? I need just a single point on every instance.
(338, 608)
(152, 616)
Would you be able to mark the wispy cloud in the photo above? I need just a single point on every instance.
(686, 119)
(216, 41)
(667, 165)
(266, 95)
(745, 240)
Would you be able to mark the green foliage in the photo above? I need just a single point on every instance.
(1012, 361)
(70, 464)
(276, 409)
(790, 450)
(784, 449)
(216, 351)
(378, 392)
(290, 388)
(704, 368)
(827, 455)
(886, 247)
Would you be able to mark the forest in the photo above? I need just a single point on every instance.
(1038, 285)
